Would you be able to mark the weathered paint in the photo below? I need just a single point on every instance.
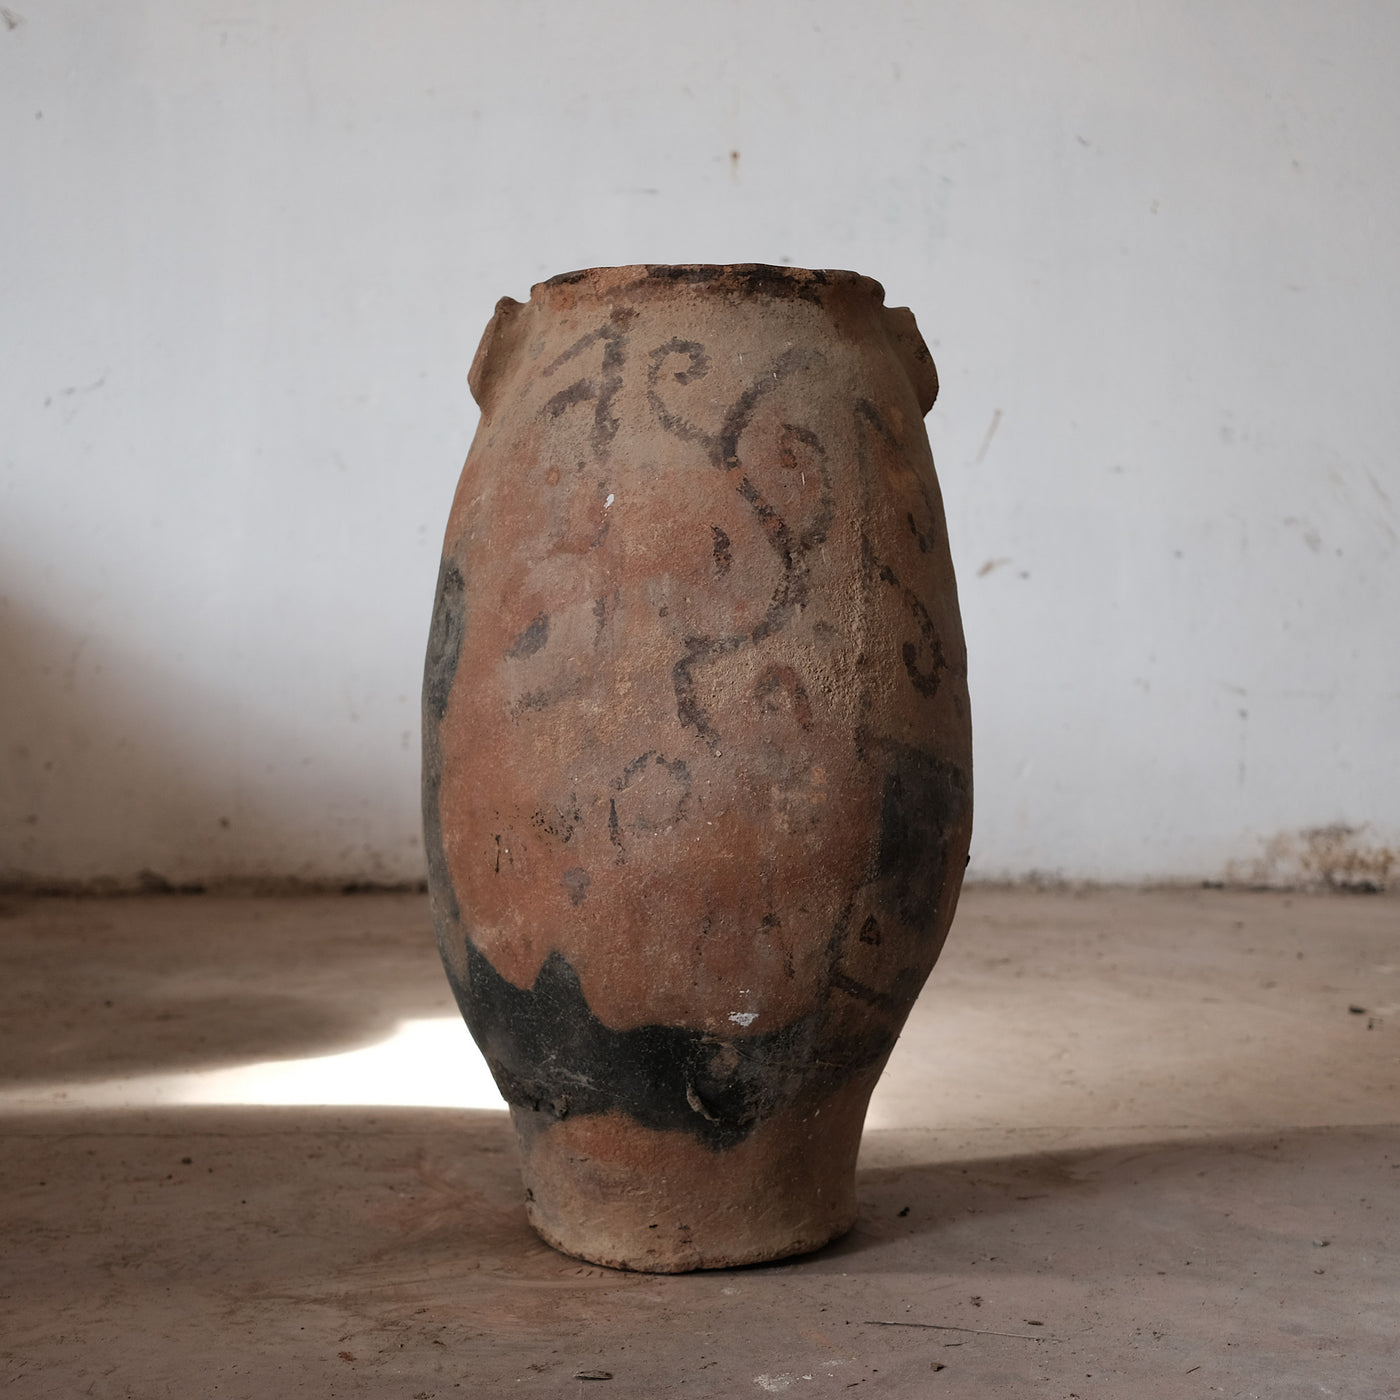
(697, 788)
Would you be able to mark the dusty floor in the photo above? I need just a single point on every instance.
(1132, 1145)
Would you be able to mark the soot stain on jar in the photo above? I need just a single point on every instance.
(531, 640)
(439, 673)
(552, 1056)
(925, 799)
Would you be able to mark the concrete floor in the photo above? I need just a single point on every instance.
(1137, 1144)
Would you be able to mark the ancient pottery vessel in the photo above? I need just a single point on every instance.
(697, 769)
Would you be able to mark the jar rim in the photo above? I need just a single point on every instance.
(753, 278)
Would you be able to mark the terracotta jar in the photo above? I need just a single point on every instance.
(697, 771)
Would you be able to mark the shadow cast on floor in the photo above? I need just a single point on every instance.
(285, 1237)
(93, 988)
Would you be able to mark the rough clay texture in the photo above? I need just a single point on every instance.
(697, 751)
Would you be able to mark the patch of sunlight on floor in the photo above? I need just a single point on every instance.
(428, 1063)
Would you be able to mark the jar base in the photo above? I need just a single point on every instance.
(605, 1189)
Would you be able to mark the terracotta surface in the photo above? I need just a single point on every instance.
(697, 767)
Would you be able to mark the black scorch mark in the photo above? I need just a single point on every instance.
(439, 672)
(552, 1056)
(926, 802)
(531, 640)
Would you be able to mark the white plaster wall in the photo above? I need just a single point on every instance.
(247, 248)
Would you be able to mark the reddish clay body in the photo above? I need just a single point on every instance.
(697, 750)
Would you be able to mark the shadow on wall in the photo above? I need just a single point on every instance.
(119, 773)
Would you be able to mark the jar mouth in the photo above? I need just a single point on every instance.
(754, 279)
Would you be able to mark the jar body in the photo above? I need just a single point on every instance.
(697, 752)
